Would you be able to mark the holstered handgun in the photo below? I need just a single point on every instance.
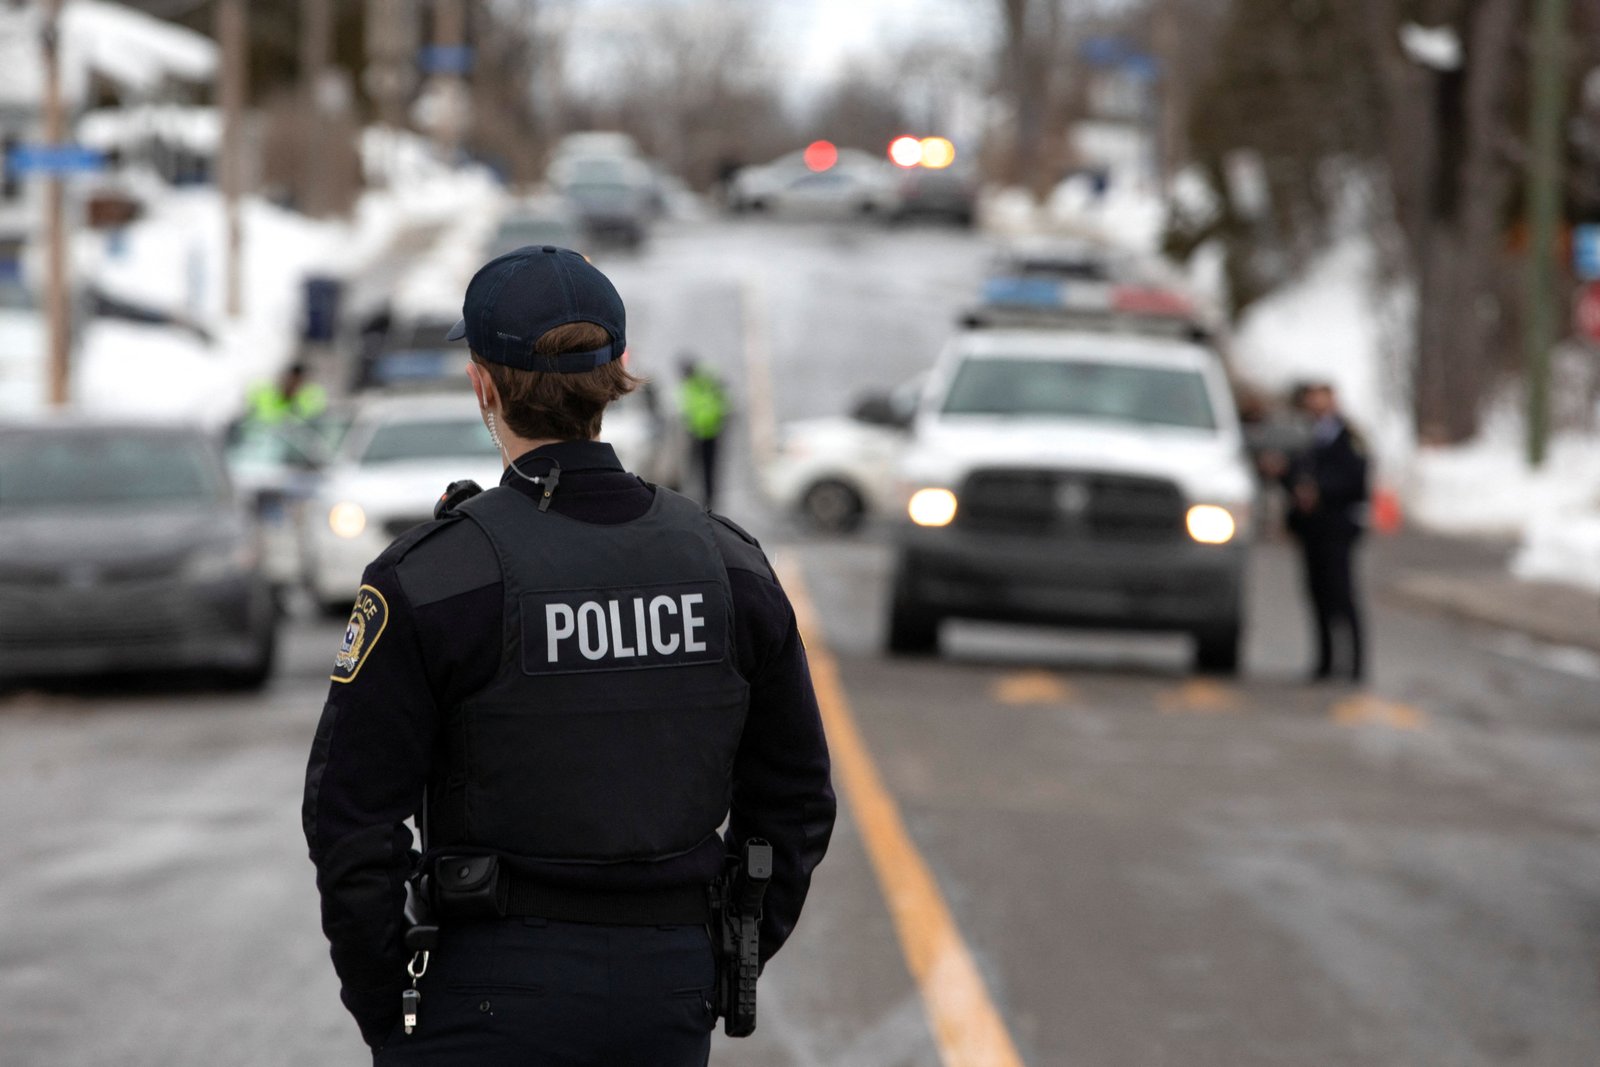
(736, 930)
(422, 928)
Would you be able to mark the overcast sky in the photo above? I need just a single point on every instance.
(828, 33)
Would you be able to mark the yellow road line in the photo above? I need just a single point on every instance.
(1366, 710)
(1033, 687)
(1199, 695)
(966, 1024)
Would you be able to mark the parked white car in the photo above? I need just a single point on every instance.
(398, 456)
(857, 185)
(840, 470)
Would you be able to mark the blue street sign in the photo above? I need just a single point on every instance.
(1586, 252)
(446, 59)
(1123, 53)
(54, 159)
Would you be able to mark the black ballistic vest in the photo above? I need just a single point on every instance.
(609, 733)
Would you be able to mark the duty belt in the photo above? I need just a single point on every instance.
(481, 887)
(680, 906)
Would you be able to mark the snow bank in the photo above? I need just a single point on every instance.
(1332, 325)
(132, 50)
(421, 234)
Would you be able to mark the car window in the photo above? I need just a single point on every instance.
(88, 467)
(828, 179)
(1115, 392)
(520, 234)
(397, 442)
(277, 445)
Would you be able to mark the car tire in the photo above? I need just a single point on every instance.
(913, 628)
(1216, 651)
(833, 506)
(252, 678)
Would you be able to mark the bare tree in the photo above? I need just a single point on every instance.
(1317, 84)
(690, 83)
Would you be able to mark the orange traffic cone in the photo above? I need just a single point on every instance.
(1386, 516)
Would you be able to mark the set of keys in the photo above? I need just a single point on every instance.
(411, 999)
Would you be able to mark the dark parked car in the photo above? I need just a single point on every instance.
(124, 548)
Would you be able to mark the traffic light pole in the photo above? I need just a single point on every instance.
(55, 295)
(231, 78)
(1549, 69)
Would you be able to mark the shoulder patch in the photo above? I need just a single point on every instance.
(368, 617)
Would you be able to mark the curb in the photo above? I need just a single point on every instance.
(1549, 611)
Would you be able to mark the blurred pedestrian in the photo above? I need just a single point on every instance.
(1327, 486)
(290, 398)
(703, 403)
(570, 682)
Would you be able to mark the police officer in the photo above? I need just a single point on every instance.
(570, 680)
(703, 403)
(291, 397)
(1327, 484)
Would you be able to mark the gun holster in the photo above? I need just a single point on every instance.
(469, 887)
(736, 922)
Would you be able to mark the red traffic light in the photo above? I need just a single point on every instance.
(821, 155)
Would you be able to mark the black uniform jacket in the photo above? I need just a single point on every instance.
(1337, 466)
(374, 745)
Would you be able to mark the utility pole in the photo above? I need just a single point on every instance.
(55, 122)
(231, 88)
(392, 40)
(449, 76)
(1546, 122)
(316, 45)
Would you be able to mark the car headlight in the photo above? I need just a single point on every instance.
(346, 519)
(932, 507)
(1211, 524)
(215, 562)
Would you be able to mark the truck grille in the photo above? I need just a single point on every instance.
(1090, 505)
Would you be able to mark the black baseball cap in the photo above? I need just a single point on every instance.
(516, 298)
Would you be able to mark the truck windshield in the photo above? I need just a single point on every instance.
(1113, 392)
(427, 439)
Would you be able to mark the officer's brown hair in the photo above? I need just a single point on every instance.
(561, 407)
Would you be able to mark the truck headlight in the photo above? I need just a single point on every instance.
(1211, 524)
(932, 507)
(346, 519)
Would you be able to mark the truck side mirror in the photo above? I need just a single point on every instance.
(880, 410)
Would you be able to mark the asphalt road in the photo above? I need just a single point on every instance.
(1054, 850)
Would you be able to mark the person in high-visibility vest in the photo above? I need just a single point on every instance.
(291, 397)
(703, 404)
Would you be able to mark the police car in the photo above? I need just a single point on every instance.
(1092, 474)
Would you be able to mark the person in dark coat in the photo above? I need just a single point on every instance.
(1328, 490)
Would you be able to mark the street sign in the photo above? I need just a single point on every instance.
(54, 159)
(1586, 312)
(1586, 252)
(446, 59)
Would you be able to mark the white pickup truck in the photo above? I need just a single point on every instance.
(1090, 478)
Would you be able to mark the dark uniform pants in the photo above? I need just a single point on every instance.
(1330, 580)
(705, 454)
(532, 993)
